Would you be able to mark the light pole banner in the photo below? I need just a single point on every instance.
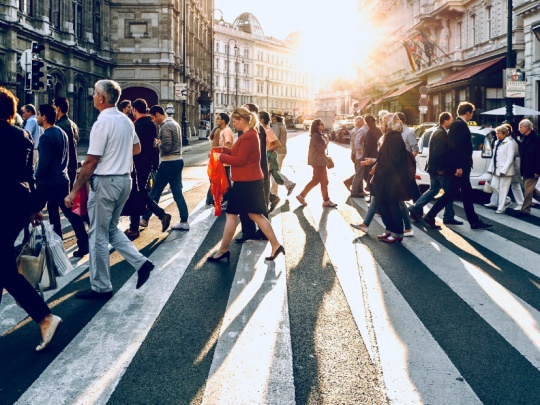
(180, 91)
(515, 83)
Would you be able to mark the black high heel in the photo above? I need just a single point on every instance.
(227, 255)
(279, 250)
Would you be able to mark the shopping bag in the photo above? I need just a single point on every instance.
(61, 261)
(487, 188)
(80, 203)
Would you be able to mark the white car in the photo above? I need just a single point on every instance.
(481, 139)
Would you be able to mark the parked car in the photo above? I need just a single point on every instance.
(343, 135)
(482, 152)
(420, 129)
(307, 123)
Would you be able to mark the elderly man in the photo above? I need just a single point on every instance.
(29, 114)
(107, 166)
(61, 105)
(360, 130)
(530, 164)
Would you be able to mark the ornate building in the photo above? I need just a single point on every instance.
(137, 43)
(457, 48)
(252, 67)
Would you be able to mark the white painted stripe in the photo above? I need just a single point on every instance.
(507, 220)
(90, 367)
(252, 361)
(11, 314)
(514, 319)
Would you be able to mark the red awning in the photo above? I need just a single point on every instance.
(403, 90)
(362, 103)
(385, 95)
(465, 73)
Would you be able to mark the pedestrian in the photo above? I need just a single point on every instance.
(530, 164)
(459, 140)
(249, 229)
(61, 105)
(20, 204)
(143, 165)
(370, 146)
(246, 194)
(411, 144)
(126, 107)
(357, 188)
(31, 126)
(391, 179)
(280, 130)
(170, 169)
(502, 166)
(52, 182)
(318, 143)
(440, 172)
(107, 166)
(223, 137)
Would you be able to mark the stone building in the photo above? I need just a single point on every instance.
(464, 58)
(137, 43)
(252, 67)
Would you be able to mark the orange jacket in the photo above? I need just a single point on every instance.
(218, 179)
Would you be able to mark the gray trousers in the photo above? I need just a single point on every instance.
(107, 197)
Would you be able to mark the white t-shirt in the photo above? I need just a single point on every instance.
(112, 137)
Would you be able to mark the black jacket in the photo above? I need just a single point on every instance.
(439, 153)
(460, 144)
(370, 143)
(146, 160)
(530, 155)
(72, 131)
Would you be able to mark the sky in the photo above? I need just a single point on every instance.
(329, 31)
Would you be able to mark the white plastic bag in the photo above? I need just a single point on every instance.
(487, 188)
(56, 244)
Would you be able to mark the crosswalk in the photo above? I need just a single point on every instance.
(446, 317)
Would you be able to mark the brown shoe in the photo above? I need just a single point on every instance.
(132, 235)
(165, 222)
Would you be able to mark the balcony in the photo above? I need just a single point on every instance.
(437, 8)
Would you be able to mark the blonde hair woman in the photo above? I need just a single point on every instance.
(246, 194)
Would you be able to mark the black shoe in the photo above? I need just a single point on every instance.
(480, 225)
(144, 273)
(414, 216)
(93, 295)
(259, 235)
(226, 255)
(279, 250)
(165, 222)
(81, 252)
(431, 222)
(452, 222)
(243, 238)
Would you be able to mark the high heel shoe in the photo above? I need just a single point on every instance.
(227, 255)
(279, 250)
(393, 239)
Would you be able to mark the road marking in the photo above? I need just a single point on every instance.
(90, 367)
(252, 362)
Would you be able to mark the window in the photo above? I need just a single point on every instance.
(448, 102)
(26, 6)
(473, 29)
(54, 13)
(246, 68)
(77, 19)
(489, 22)
(246, 53)
(97, 23)
(459, 43)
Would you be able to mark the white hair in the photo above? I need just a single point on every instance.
(526, 123)
(109, 89)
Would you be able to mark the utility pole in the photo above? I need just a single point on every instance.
(509, 62)
(184, 120)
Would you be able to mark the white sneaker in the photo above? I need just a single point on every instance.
(490, 205)
(499, 212)
(143, 223)
(507, 202)
(360, 227)
(180, 226)
(518, 207)
(290, 188)
(408, 233)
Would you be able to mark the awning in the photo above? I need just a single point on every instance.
(516, 110)
(363, 102)
(385, 95)
(465, 73)
(403, 90)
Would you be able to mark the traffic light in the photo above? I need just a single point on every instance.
(37, 74)
(37, 48)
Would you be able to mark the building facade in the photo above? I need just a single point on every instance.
(137, 43)
(455, 48)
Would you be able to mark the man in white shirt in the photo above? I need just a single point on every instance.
(29, 114)
(107, 166)
(357, 189)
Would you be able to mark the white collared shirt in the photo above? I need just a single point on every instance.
(112, 137)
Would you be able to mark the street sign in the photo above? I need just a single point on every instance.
(180, 91)
(423, 90)
(423, 102)
(26, 60)
(422, 109)
(170, 109)
(515, 83)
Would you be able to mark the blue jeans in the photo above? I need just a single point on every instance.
(437, 183)
(170, 172)
(373, 209)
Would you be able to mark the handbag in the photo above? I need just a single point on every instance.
(80, 203)
(35, 262)
(329, 162)
(61, 261)
(487, 188)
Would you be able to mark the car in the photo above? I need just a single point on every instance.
(420, 129)
(343, 135)
(481, 139)
(307, 123)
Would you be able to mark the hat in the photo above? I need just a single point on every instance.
(279, 113)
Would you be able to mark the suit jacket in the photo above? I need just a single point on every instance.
(460, 144)
(530, 155)
(439, 153)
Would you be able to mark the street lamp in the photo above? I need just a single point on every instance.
(228, 67)
(184, 120)
(509, 61)
(237, 66)
(221, 21)
(267, 91)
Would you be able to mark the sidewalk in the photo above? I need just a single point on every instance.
(194, 143)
